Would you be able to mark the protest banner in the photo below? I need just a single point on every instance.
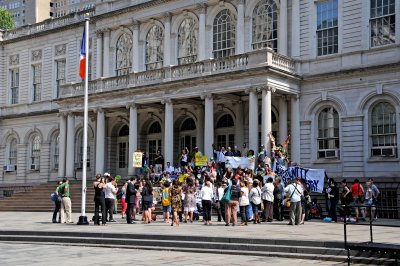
(313, 177)
(200, 160)
(137, 159)
(242, 162)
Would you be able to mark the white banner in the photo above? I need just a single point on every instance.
(314, 177)
(242, 162)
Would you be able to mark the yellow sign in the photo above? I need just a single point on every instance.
(137, 159)
(201, 160)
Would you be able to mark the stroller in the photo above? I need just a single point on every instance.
(315, 211)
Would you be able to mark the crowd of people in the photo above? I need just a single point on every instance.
(186, 192)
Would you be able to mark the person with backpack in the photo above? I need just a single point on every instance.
(57, 205)
(294, 191)
(231, 207)
(166, 201)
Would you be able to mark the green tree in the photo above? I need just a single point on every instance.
(6, 20)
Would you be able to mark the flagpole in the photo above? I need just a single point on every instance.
(83, 218)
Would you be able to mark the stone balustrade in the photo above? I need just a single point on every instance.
(246, 61)
(48, 24)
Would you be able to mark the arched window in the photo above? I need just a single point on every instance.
(154, 48)
(123, 54)
(265, 25)
(225, 121)
(155, 128)
(56, 151)
(328, 133)
(124, 131)
(12, 152)
(123, 147)
(383, 130)
(224, 34)
(188, 124)
(187, 41)
(35, 152)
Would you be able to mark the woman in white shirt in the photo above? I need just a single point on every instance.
(244, 201)
(206, 196)
(255, 200)
(268, 199)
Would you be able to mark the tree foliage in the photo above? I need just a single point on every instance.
(6, 20)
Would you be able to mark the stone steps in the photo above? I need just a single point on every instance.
(312, 250)
(37, 199)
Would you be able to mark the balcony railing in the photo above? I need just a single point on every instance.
(246, 61)
(48, 24)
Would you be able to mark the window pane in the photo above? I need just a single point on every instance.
(154, 48)
(123, 54)
(265, 25)
(224, 40)
(187, 41)
(328, 132)
(327, 27)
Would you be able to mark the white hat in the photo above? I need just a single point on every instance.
(107, 174)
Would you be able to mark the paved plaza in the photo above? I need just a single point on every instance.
(21, 253)
(315, 230)
(39, 255)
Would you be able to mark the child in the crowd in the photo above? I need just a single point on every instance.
(166, 201)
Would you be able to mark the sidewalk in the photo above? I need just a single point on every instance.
(315, 230)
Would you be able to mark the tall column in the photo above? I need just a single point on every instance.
(133, 136)
(99, 54)
(169, 132)
(135, 47)
(100, 141)
(282, 119)
(167, 39)
(266, 125)
(202, 33)
(240, 28)
(70, 162)
(199, 127)
(62, 146)
(295, 28)
(239, 131)
(208, 124)
(295, 129)
(283, 30)
(106, 53)
(253, 120)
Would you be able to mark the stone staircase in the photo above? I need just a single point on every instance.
(295, 248)
(37, 198)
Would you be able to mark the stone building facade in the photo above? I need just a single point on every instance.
(169, 74)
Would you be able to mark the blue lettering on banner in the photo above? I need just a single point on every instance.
(290, 173)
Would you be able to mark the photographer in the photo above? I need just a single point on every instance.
(99, 200)
(110, 192)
